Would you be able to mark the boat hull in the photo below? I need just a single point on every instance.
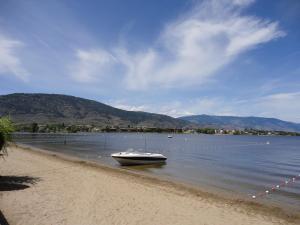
(127, 161)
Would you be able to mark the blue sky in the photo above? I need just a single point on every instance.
(220, 57)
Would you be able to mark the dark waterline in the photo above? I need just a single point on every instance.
(243, 165)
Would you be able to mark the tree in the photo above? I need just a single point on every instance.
(34, 127)
(6, 130)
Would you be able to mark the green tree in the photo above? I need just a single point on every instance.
(34, 127)
(6, 129)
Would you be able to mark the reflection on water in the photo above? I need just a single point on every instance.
(148, 167)
(240, 164)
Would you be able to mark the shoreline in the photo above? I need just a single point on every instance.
(174, 188)
(141, 132)
(199, 189)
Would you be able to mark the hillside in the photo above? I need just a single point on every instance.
(54, 108)
(234, 122)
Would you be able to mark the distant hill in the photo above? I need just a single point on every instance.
(234, 122)
(54, 108)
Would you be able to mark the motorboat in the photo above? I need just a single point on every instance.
(138, 158)
(170, 136)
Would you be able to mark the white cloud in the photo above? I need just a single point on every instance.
(286, 96)
(91, 65)
(281, 105)
(191, 49)
(258, 32)
(242, 2)
(212, 106)
(196, 46)
(10, 63)
(205, 105)
(129, 107)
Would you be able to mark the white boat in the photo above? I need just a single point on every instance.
(170, 136)
(138, 158)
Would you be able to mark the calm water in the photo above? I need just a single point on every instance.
(243, 165)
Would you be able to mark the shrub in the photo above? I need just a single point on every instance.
(6, 129)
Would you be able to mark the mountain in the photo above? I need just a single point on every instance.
(234, 122)
(54, 108)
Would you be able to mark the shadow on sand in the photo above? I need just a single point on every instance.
(3, 221)
(13, 183)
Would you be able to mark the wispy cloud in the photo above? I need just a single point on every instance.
(283, 96)
(92, 65)
(205, 105)
(10, 63)
(283, 105)
(121, 104)
(190, 49)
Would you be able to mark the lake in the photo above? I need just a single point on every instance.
(239, 165)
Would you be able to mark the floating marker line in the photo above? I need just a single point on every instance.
(277, 187)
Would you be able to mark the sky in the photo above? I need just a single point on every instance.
(175, 57)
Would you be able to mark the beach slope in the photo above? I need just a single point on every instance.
(41, 188)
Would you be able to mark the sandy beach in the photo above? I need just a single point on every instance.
(41, 188)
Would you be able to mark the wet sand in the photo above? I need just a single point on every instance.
(40, 187)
